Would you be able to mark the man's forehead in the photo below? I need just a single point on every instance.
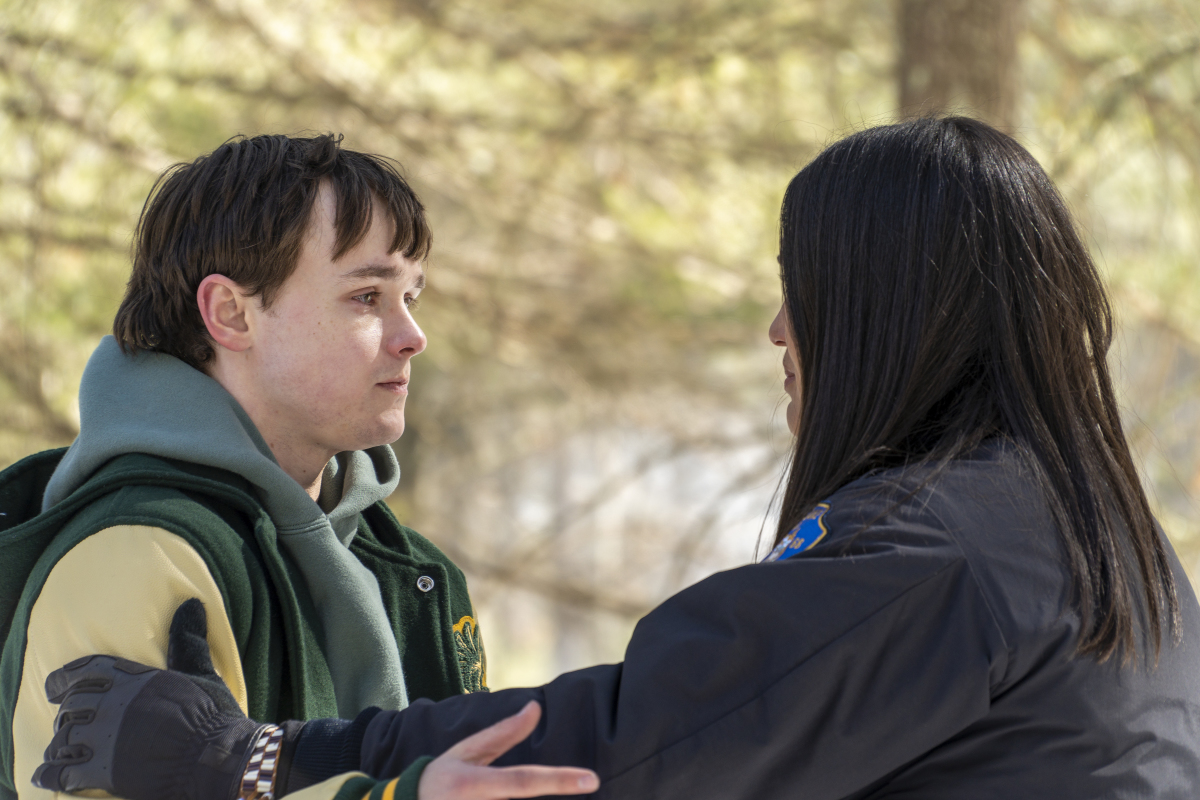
(321, 232)
(407, 271)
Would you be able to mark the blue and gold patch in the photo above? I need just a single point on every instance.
(807, 533)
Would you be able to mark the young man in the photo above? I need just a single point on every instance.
(233, 447)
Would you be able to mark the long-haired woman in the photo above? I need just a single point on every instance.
(967, 596)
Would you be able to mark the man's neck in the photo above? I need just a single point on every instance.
(305, 469)
(304, 463)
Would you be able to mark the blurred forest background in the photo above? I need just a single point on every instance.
(597, 420)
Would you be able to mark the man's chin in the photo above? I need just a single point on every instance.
(387, 432)
(372, 430)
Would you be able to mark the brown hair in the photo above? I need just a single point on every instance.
(242, 212)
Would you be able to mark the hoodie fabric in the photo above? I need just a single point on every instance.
(156, 404)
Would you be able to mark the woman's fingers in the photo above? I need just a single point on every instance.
(490, 743)
(527, 781)
(461, 773)
(467, 782)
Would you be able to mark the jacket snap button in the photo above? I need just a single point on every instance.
(424, 583)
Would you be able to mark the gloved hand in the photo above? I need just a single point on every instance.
(147, 734)
(187, 740)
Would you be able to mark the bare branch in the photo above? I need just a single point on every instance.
(555, 589)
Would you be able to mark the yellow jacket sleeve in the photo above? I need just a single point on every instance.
(114, 593)
(327, 789)
(358, 786)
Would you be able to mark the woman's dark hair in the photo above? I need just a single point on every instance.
(939, 295)
(242, 212)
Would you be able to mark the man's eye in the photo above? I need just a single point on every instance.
(412, 303)
(367, 298)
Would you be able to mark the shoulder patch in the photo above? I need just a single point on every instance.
(807, 533)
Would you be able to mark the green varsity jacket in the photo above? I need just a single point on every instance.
(86, 574)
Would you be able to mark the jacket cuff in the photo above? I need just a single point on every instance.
(320, 749)
(357, 788)
(410, 779)
(402, 788)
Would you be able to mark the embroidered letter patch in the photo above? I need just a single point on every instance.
(807, 533)
(472, 662)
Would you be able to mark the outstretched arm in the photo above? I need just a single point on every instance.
(816, 676)
(187, 739)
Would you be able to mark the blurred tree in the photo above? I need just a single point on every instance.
(959, 55)
(593, 424)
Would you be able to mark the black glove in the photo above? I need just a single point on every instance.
(148, 734)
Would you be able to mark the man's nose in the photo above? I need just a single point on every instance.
(407, 339)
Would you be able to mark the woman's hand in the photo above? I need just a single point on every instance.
(461, 773)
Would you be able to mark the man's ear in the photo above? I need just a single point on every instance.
(223, 307)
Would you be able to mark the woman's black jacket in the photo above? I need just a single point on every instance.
(923, 648)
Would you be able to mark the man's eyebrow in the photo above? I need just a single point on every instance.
(381, 271)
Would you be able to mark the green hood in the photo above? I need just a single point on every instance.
(156, 404)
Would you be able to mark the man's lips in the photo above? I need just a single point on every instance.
(398, 386)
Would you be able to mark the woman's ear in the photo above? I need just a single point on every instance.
(223, 307)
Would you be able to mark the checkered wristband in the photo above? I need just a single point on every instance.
(258, 781)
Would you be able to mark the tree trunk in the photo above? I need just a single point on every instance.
(959, 56)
